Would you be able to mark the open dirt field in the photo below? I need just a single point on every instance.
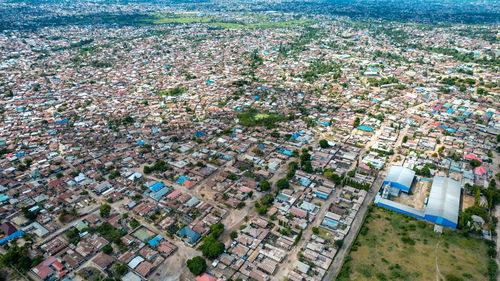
(420, 191)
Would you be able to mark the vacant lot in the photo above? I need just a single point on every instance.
(393, 246)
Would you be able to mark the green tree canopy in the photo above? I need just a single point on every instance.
(197, 265)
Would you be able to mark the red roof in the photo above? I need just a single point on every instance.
(298, 212)
(44, 272)
(189, 183)
(174, 194)
(43, 269)
(58, 266)
(471, 157)
(244, 189)
(480, 170)
(205, 277)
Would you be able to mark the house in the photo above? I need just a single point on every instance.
(191, 235)
(103, 261)
(48, 268)
(8, 228)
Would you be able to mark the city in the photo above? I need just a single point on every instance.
(176, 140)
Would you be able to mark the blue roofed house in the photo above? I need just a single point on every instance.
(192, 237)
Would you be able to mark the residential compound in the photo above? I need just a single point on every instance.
(128, 150)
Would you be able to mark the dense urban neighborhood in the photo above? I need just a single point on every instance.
(148, 141)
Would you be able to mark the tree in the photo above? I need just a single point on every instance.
(105, 210)
(217, 229)
(425, 171)
(307, 167)
(282, 184)
(107, 249)
(356, 123)
(297, 238)
(451, 277)
(405, 139)
(134, 223)
(262, 210)
(18, 257)
(265, 186)
(315, 230)
(233, 235)
(304, 157)
(475, 163)
(211, 248)
(339, 243)
(121, 269)
(197, 265)
(324, 143)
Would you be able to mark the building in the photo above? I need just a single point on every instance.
(442, 207)
(444, 202)
(399, 179)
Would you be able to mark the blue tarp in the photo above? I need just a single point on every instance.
(155, 241)
(286, 152)
(181, 180)
(14, 235)
(365, 128)
(157, 186)
(321, 195)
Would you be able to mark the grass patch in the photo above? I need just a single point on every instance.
(407, 251)
(253, 117)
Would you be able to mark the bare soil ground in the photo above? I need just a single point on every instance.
(174, 268)
(420, 191)
(467, 201)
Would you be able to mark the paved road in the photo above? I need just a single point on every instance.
(495, 165)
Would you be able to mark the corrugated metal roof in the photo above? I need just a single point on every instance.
(401, 175)
(444, 199)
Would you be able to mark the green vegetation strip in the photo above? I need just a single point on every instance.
(191, 18)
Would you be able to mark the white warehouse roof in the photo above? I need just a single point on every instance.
(444, 199)
(401, 175)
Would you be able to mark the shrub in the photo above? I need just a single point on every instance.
(451, 277)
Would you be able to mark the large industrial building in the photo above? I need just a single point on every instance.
(399, 179)
(444, 202)
(442, 205)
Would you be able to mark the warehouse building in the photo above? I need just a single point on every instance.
(399, 179)
(442, 206)
(444, 202)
